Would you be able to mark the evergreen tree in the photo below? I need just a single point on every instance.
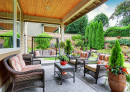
(95, 30)
(100, 36)
(87, 33)
(90, 35)
(116, 58)
(78, 26)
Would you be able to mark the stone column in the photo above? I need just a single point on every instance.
(25, 39)
(62, 32)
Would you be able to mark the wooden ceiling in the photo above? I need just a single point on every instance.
(6, 6)
(58, 12)
(57, 8)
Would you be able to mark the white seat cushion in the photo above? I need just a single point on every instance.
(91, 67)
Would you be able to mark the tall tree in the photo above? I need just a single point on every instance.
(103, 18)
(100, 37)
(78, 26)
(90, 35)
(94, 34)
(87, 33)
(122, 10)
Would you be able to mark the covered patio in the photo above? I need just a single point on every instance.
(14, 14)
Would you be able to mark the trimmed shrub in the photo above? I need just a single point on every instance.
(79, 43)
(62, 44)
(84, 48)
(118, 31)
(42, 43)
(116, 58)
(74, 37)
(68, 47)
(121, 42)
(8, 39)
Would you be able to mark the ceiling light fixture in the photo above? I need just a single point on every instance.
(47, 7)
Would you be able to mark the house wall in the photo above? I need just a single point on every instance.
(34, 29)
(5, 78)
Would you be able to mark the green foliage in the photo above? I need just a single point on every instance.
(63, 58)
(62, 44)
(116, 58)
(100, 37)
(90, 35)
(121, 42)
(103, 18)
(74, 37)
(42, 43)
(123, 9)
(95, 27)
(118, 31)
(79, 43)
(84, 48)
(7, 40)
(88, 48)
(87, 32)
(78, 26)
(68, 47)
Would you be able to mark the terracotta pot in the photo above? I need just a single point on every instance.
(117, 83)
(63, 62)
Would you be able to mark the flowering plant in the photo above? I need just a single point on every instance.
(116, 61)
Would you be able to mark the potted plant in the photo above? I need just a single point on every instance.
(116, 70)
(63, 59)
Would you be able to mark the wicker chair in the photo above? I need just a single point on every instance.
(28, 79)
(28, 58)
(95, 70)
(78, 61)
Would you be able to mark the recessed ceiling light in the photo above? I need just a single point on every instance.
(47, 7)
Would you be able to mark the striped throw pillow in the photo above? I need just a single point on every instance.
(20, 57)
(15, 64)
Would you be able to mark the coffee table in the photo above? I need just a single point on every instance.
(64, 68)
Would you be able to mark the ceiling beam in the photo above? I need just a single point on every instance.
(29, 18)
(82, 5)
(88, 10)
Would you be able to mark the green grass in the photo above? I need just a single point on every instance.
(51, 58)
(127, 65)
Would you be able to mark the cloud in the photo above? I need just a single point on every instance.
(91, 15)
(103, 7)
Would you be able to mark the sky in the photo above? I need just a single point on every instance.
(108, 8)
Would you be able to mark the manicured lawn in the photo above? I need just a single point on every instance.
(127, 65)
(51, 58)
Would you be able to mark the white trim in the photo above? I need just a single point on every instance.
(7, 50)
(15, 24)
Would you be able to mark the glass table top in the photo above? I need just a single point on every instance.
(64, 66)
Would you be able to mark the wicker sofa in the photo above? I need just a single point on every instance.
(44, 53)
(24, 76)
(96, 70)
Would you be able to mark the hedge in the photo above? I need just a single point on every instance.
(74, 37)
(121, 41)
(118, 31)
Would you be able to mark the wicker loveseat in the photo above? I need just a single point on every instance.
(96, 70)
(44, 53)
(24, 76)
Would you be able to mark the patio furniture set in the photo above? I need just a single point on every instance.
(27, 72)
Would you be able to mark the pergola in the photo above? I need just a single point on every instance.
(57, 12)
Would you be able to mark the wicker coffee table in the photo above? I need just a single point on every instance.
(67, 68)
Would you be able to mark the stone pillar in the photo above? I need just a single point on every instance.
(59, 29)
(25, 39)
(62, 32)
(42, 28)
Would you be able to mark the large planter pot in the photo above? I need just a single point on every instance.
(117, 83)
